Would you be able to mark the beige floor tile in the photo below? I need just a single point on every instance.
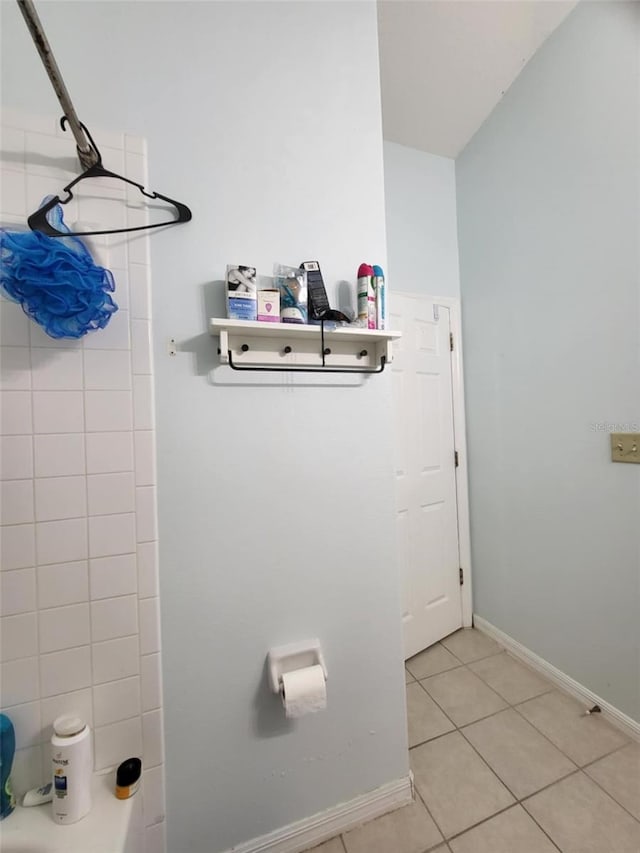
(513, 681)
(619, 775)
(432, 661)
(408, 678)
(562, 720)
(333, 846)
(518, 753)
(426, 720)
(581, 818)
(406, 830)
(512, 831)
(456, 784)
(463, 696)
(468, 645)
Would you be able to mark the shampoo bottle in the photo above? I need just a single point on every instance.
(7, 751)
(72, 766)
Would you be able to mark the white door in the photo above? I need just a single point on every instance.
(427, 517)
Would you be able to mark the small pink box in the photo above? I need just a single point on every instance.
(269, 306)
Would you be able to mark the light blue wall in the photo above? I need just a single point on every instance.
(422, 237)
(548, 194)
(275, 497)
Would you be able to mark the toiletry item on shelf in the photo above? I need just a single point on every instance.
(38, 796)
(242, 289)
(269, 306)
(128, 778)
(292, 284)
(381, 297)
(7, 751)
(318, 300)
(72, 769)
(365, 274)
(371, 302)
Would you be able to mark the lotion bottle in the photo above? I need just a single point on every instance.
(72, 769)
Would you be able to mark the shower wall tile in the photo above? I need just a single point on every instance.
(111, 493)
(16, 457)
(17, 592)
(112, 534)
(107, 370)
(64, 627)
(63, 583)
(15, 413)
(17, 549)
(113, 576)
(61, 541)
(116, 742)
(14, 368)
(109, 452)
(18, 636)
(16, 502)
(58, 370)
(114, 617)
(65, 671)
(59, 455)
(108, 411)
(79, 606)
(116, 700)
(58, 411)
(60, 497)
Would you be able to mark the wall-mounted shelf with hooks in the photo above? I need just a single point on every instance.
(251, 345)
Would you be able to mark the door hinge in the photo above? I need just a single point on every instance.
(461, 576)
(451, 341)
(456, 458)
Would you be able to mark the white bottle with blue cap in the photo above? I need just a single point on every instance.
(72, 769)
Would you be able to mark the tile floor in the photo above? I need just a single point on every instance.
(503, 762)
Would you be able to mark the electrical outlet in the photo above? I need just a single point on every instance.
(625, 446)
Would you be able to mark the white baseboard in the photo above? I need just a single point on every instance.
(319, 827)
(626, 724)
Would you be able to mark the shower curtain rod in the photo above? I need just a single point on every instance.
(87, 155)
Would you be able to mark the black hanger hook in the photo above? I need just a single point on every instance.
(81, 154)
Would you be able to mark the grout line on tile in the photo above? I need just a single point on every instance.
(459, 728)
(428, 810)
(484, 760)
(617, 749)
(480, 822)
(559, 748)
(609, 794)
(550, 785)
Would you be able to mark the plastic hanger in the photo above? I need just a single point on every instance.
(38, 221)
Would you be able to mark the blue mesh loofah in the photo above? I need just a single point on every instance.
(56, 280)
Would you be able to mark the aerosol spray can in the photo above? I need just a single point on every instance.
(365, 276)
(381, 297)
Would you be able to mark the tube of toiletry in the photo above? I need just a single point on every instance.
(365, 273)
(72, 768)
(381, 297)
(38, 796)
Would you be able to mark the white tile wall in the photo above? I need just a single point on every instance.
(79, 606)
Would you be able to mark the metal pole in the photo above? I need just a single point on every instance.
(88, 157)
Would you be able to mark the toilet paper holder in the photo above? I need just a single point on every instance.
(283, 659)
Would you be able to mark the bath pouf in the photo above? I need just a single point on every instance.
(56, 281)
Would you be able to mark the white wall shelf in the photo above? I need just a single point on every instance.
(252, 345)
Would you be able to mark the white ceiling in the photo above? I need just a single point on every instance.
(445, 64)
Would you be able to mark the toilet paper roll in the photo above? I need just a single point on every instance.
(304, 691)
